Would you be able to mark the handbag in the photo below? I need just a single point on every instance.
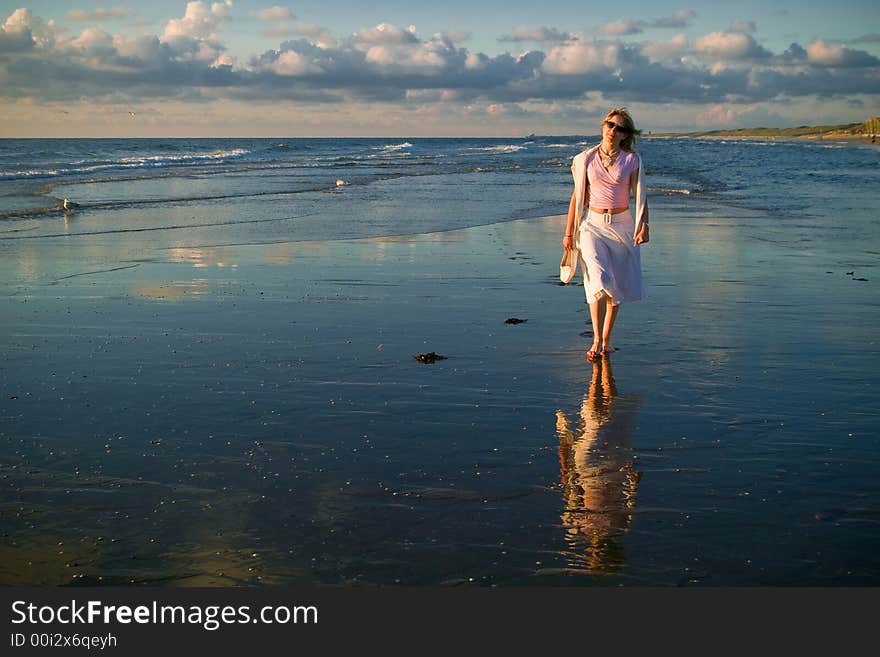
(568, 265)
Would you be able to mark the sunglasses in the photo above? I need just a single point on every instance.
(611, 125)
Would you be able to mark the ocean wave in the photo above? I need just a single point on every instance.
(139, 162)
(390, 148)
(673, 190)
(507, 148)
(153, 160)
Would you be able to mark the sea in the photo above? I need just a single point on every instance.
(207, 371)
(308, 189)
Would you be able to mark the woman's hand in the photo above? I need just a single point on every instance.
(567, 243)
(642, 235)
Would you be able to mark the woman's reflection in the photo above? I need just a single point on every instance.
(599, 481)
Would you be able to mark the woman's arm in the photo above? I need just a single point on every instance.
(642, 235)
(567, 239)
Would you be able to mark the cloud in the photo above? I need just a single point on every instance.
(628, 26)
(291, 63)
(385, 33)
(200, 21)
(729, 46)
(15, 37)
(536, 35)
(453, 36)
(22, 27)
(78, 15)
(275, 14)
(623, 27)
(188, 60)
(821, 53)
(794, 53)
(676, 21)
(666, 50)
(322, 37)
(867, 38)
(94, 41)
(581, 57)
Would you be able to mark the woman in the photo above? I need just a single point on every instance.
(608, 238)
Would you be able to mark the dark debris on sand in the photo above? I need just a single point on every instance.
(429, 358)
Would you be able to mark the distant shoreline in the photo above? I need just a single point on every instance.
(861, 139)
(866, 133)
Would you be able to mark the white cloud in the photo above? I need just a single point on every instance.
(821, 53)
(200, 21)
(659, 51)
(453, 36)
(390, 64)
(321, 36)
(145, 49)
(580, 57)
(623, 27)
(94, 41)
(293, 63)
(22, 24)
(476, 61)
(276, 13)
(385, 33)
(423, 56)
(729, 46)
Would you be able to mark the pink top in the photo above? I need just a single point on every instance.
(610, 189)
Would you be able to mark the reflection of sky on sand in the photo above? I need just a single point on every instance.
(203, 257)
(598, 477)
(376, 469)
(192, 290)
(139, 530)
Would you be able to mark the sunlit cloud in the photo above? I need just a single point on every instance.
(821, 53)
(189, 59)
(276, 13)
(729, 46)
(536, 35)
(623, 27)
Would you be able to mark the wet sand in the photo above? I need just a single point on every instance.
(254, 414)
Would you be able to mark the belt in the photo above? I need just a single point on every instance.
(607, 213)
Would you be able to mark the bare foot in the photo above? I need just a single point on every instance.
(595, 351)
(608, 349)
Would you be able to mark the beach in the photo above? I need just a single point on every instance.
(224, 391)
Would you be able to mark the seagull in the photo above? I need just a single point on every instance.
(341, 183)
(132, 113)
(69, 206)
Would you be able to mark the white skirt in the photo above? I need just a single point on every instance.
(612, 265)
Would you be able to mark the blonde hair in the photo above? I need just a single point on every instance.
(627, 144)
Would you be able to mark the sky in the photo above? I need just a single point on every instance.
(231, 68)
